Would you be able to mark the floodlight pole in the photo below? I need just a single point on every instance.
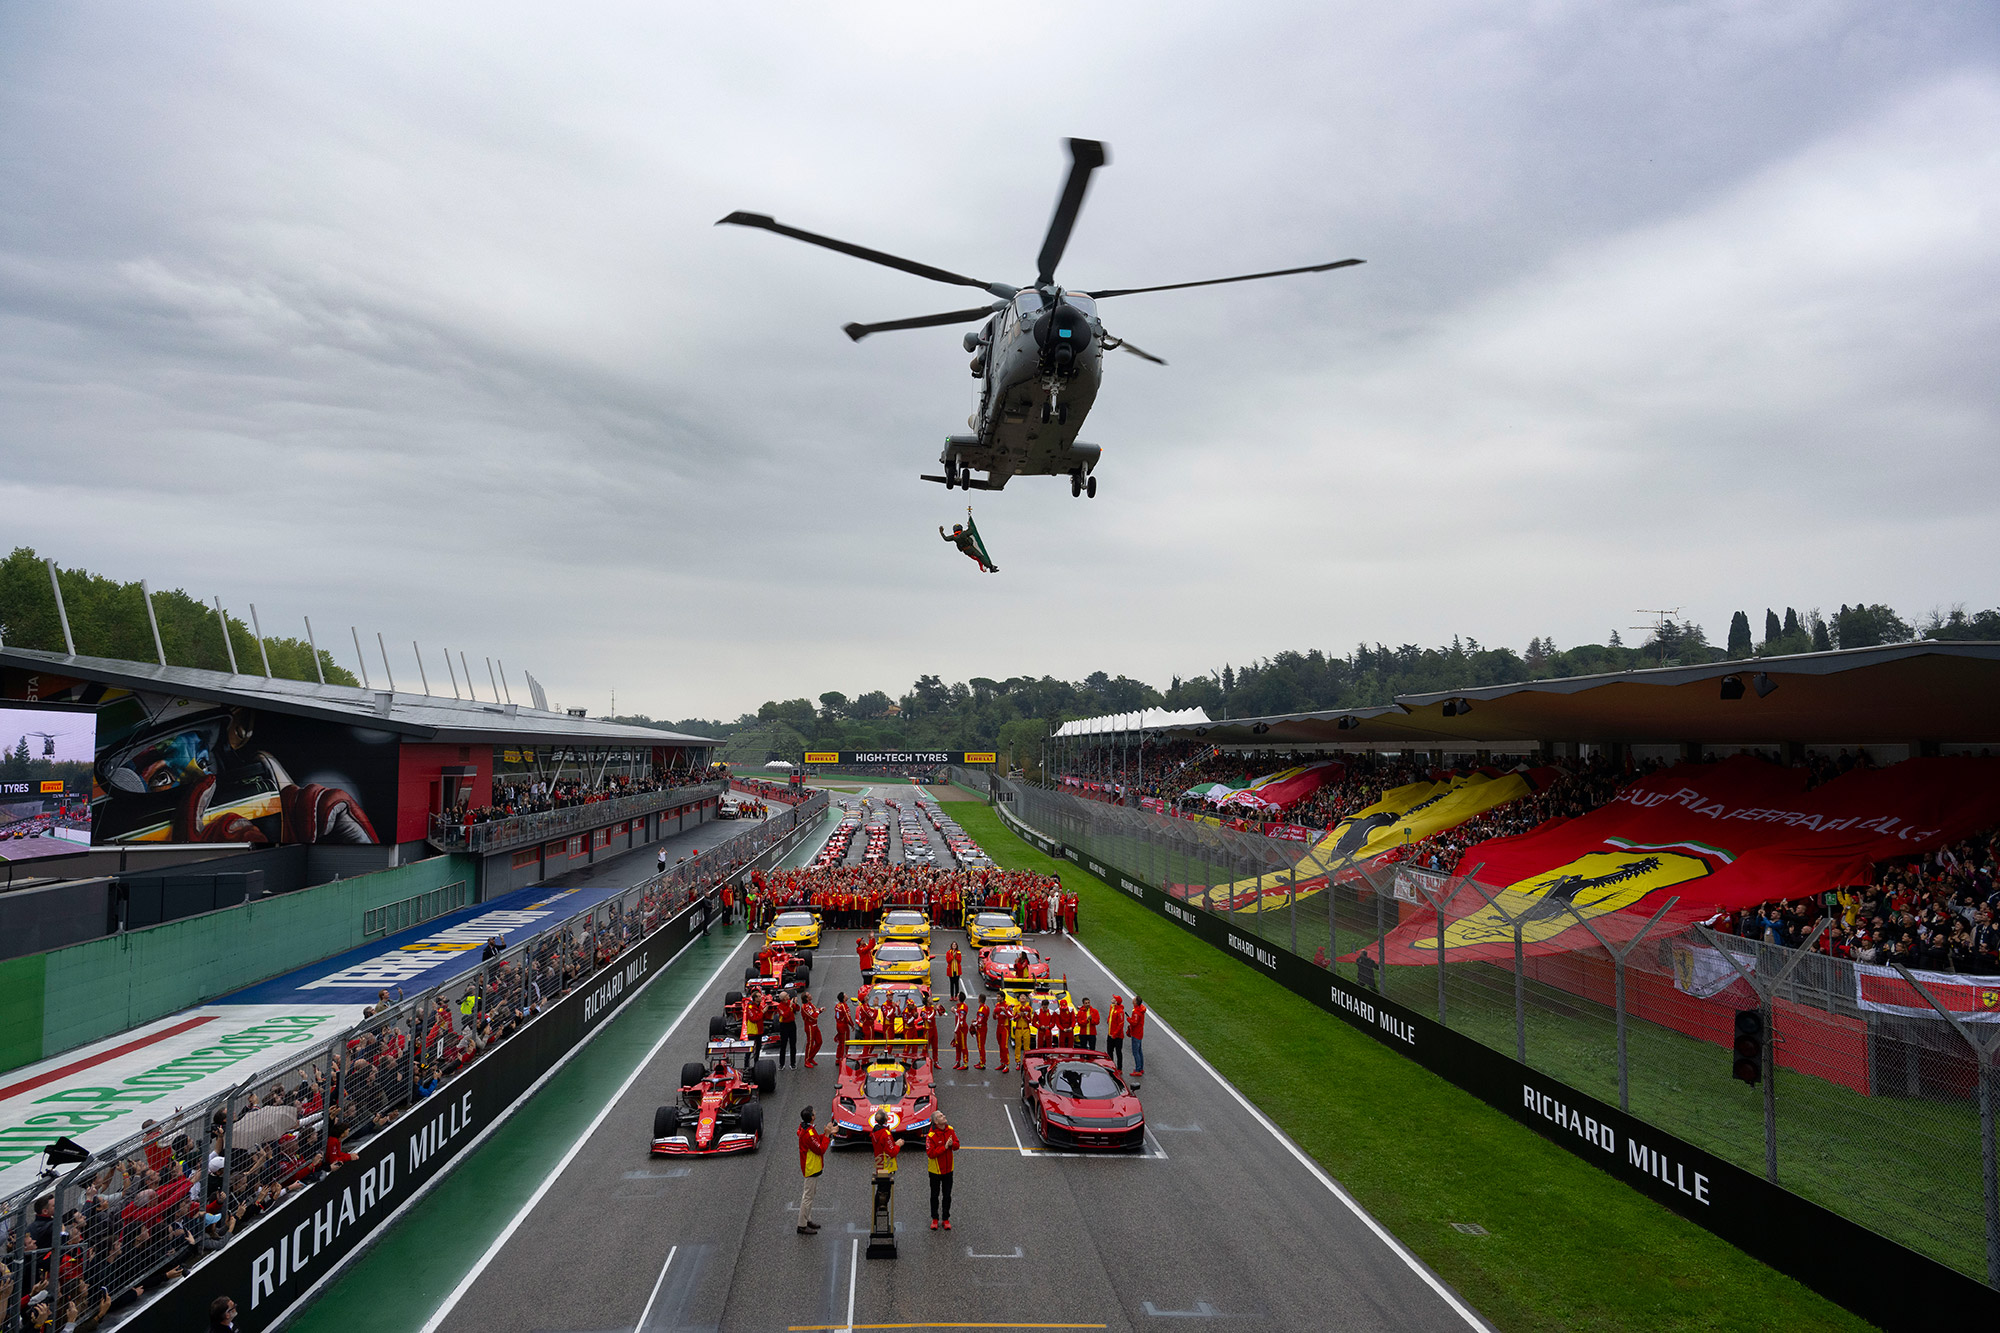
(313, 643)
(387, 670)
(257, 628)
(422, 675)
(471, 693)
(153, 620)
(453, 672)
(222, 617)
(510, 693)
(360, 657)
(493, 680)
(61, 613)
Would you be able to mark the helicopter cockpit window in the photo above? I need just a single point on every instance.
(1081, 302)
(1027, 303)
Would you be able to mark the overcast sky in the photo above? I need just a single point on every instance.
(414, 318)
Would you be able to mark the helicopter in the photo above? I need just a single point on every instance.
(1038, 356)
(49, 739)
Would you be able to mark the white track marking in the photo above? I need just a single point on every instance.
(853, 1271)
(1347, 1200)
(500, 1241)
(658, 1282)
(1007, 1110)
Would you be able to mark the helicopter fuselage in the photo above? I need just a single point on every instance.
(1039, 362)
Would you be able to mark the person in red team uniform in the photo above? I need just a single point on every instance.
(954, 964)
(864, 949)
(931, 1018)
(980, 1024)
(958, 1036)
(809, 1015)
(1045, 1025)
(1135, 1028)
(813, 1147)
(941, 1147)
(1087, 1019)
(1003, 1021)
(840, 1028)
(1114, 1046)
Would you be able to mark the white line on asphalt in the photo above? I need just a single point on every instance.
(853, 1271)
(500, 1241)
(1347, 1200)
(658, 1282)
(1007, 1110)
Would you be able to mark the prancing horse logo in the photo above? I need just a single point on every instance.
(1545, 906)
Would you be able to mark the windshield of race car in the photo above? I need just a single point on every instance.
(1006, 957)
(792, 921)
(1076, 1079)
(993, 920)
(900, 953)
(885, 1083)
(904, 919)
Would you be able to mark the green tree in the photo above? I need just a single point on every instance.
(1739, 633)
(1773, 631)
(1865, 626)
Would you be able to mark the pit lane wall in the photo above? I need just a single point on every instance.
(275, 1264)
(1846, 1262)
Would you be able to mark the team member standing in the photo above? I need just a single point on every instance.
(788, 1031)
(813, 1147)
(981, 1024)
(941, 1146)
(1086, 1026)
(954, 964)
(885, 1147)
(958, 1035)
(1003, 1021)
(840, 1020)
(753, 1024)
(864, 949)
(809, 1014)
(1135, 1027)
(1115, 1030)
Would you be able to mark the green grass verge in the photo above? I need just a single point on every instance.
(1569, 1248)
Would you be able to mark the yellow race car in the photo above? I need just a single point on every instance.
(902, 960)
(992, 928)
(905, 923)
(798, 929)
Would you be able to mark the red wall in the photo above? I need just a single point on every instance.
(418, 767)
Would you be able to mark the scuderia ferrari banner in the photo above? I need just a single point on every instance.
(1715, 836)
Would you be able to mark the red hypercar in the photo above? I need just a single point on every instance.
(1077, 1099)
(891, 1076)
(996, 964)
(718, 1111)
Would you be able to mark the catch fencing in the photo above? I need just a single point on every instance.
(136, 1216)
(1884, 1116)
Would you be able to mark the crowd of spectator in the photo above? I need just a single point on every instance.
(539, 797)
(187, 1185)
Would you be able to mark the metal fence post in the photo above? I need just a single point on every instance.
(1520, 998)
(1292, 902)
(1765, 989)
(1618, 957)
(1989, 1180)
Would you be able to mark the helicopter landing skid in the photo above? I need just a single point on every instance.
(969, 483)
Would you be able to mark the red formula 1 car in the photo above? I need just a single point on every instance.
(892, 1076)
(996, 964)
(778, 967)
(718, 1111)
(1077, 1099)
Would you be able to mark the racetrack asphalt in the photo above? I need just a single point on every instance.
(1219, 1220)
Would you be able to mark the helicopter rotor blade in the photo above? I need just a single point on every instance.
(1213, 282)
(863, 252)
(1141, 353)
(860, 331)
(1085, 156)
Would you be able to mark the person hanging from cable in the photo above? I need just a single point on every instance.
(965, 536)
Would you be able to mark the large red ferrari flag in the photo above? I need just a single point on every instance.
(1717, 836)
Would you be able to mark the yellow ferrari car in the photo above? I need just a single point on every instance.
(902, 960)
(1024, 995)
(992, 928)
(800, 930)
(905, 923)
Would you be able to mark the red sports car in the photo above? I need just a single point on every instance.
(1077, 1099)
(879, 1075)
(718, 1111)
(996, 964)
(778, 967)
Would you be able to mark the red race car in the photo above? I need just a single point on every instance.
(1077, 1099)
(997, 964)
(883, 1075)
(718, 1111)
(779, 967)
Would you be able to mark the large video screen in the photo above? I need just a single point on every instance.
(46, 753)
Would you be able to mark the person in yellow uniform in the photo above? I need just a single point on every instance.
(813, 1146)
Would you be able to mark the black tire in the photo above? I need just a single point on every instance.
(1090, 488)
(692, 1073)
(1075, 484)
(803, 978)
(751, 1121)
(718, 1026)
(731, 999)
(765, 1075)
(666, 1122)
(750, 974)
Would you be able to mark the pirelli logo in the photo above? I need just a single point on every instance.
(822, 756)
(55, 788)
(982, 757)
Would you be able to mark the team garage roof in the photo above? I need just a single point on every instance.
(415, 716)
(1904, 693)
